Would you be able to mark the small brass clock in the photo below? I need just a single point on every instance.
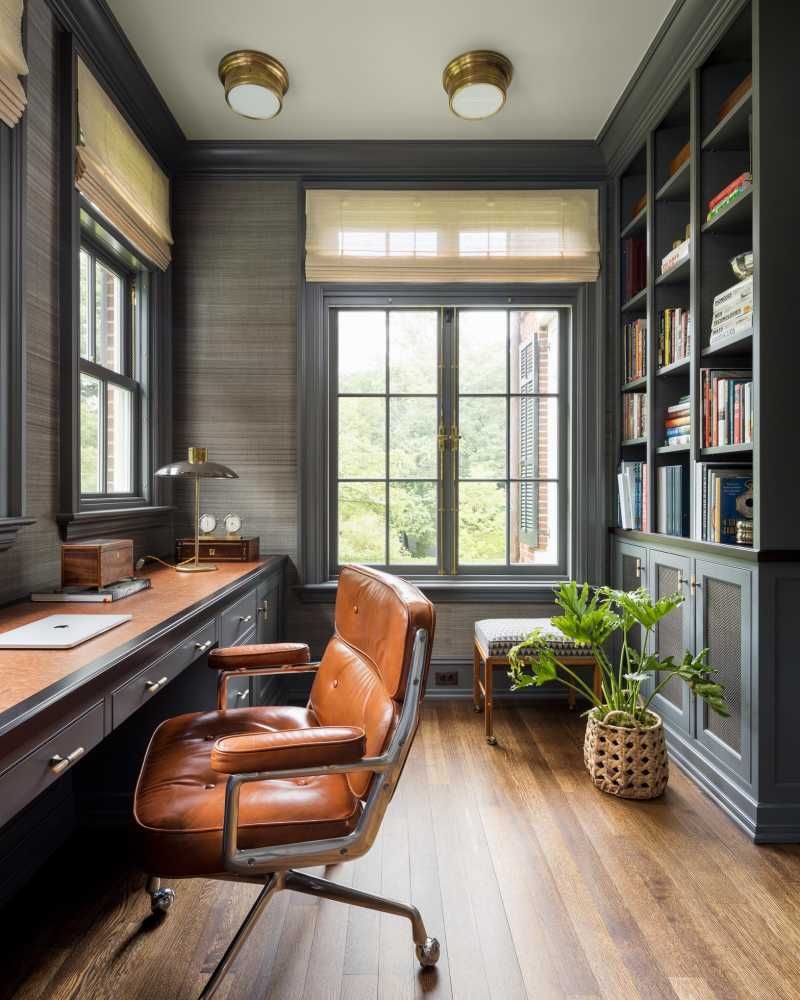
(233, 525)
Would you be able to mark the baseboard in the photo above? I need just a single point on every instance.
(465, 694)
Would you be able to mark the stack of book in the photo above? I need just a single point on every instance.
(677, 255)
(724, 498)
(94, 595)
(673, 500)
(674, 336)
(634, 266)
(677, 423)
(635, 347)
(733, 310)
(727, 407)
(732, 192)
(632, 486)
(634, 415)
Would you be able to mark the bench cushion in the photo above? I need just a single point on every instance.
(498, 635)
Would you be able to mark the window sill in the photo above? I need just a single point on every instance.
(9, 526)
(91, 523)
(452, 592)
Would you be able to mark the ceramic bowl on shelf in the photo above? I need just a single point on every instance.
(742, 265)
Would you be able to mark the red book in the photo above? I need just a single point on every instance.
(741, 179)
(677, 421)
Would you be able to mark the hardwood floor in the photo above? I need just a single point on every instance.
(536, 884)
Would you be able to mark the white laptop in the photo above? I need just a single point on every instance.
(60, 631)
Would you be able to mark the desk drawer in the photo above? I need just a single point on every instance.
(237, 620)
(23, 781)
(141, 688)
(240, 689)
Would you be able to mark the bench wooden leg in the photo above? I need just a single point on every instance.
(571, 699)
(476, 678)
(489, 701)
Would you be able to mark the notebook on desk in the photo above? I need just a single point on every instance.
(60, 631)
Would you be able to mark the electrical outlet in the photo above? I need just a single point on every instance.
(446, 678)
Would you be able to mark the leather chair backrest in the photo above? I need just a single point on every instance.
(362, 677)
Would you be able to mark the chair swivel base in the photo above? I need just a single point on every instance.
(427, 948)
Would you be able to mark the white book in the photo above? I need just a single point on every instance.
(625, 500)
(742, 290)
(730, 314)
(734, 327)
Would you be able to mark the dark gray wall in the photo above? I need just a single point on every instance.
(33, 561)
(235, 307)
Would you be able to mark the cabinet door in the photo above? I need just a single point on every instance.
(268, 611)
(723, 617)
(630, 572)
(669, 574)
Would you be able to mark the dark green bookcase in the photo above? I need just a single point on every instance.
(741, 602)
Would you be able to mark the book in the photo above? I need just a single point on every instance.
(725, 423)
(675, 256)
(674, 336)
(94, 595)
(638, 205)
(728, 200)
(673, 500)
(736, 327)
(741, 290)
(744, 178)
(682, 406)
(679, 159)
(733, 313)
(632, 496)
(633, 266)
(735, 96)
(635, 350)
(723, 498)
(634, 415)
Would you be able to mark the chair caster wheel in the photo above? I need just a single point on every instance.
(428, 953)
(476, 708)
(492, 741)
(161, 900)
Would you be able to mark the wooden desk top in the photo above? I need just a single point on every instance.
(28, 673)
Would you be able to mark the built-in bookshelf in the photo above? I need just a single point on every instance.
(699, 148)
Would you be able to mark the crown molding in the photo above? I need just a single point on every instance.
(398, 160)
(113, 59)
(684, 39)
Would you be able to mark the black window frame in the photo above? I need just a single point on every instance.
(448, 395)
(588, 526)
(133, 373)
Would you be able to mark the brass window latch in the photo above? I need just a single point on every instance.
(448, 439)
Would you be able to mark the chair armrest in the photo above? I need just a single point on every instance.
(268, 654)
(288, 748)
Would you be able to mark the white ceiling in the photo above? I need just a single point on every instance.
(371, 69)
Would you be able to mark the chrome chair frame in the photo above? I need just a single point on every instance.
(273, 867)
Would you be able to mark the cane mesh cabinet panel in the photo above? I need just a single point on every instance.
(669, 574)
(723, 617)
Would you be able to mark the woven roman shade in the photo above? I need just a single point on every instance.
(116, 174)
(12, 62)
(452, 236)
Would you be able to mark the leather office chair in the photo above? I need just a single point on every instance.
(252, 793)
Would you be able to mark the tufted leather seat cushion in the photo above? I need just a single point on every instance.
(180, 799)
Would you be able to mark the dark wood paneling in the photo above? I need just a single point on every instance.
(235, 281)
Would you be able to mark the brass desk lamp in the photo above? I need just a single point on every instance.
(197, 467)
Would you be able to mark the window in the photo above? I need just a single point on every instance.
(109, 380)
(448, 442)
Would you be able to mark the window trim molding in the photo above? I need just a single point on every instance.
(12, 327)
(586, 533)
(83, 518)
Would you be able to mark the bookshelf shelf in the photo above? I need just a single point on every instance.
(676, 275)
(680, 367)
(637, 225)
(678, 187)
(637, 303)
(732, 131)
(737, 343)
(637, 383)
(737, 217)
(634, 442)
(674, 449)
(727, 449)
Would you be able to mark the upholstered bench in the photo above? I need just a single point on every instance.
(494, 637)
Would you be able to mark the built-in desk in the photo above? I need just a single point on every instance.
(57, 706)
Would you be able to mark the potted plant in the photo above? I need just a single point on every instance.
(624, 749)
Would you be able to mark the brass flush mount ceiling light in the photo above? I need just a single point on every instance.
(476, 83)
(254, 83)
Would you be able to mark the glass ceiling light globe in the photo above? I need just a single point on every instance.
(254, 83)
(477, 100)
(476, 83)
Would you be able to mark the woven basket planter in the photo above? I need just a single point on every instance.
(630, 763)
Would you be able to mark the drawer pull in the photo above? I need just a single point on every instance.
(203, 646)
(245, 619)
(153, 686)
(265, 610)
(59, 764)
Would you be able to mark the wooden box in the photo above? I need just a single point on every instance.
(220, 549)
(96, 563)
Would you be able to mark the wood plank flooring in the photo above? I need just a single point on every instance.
(537, 885)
